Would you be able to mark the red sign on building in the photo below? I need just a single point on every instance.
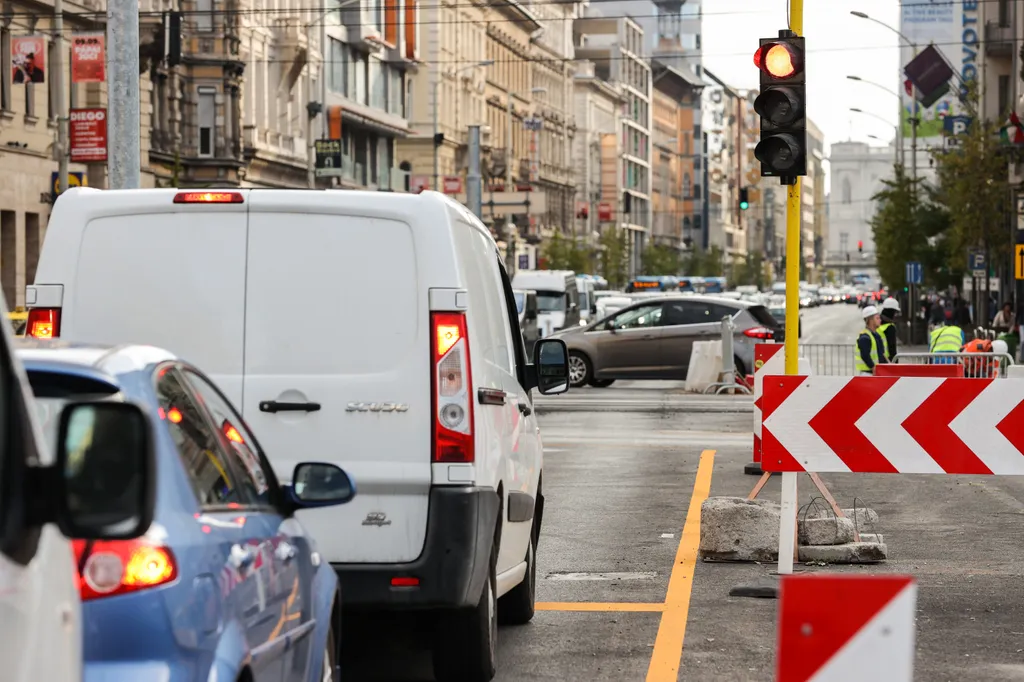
(604, 212)
(88, 133)
(452, 184)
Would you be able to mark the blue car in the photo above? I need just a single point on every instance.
(226, 585)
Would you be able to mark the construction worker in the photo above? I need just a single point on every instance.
(890, 311)
(948, 338)
(870, 347)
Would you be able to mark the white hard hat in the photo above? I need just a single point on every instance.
(1000, 347)
(890, 304)
(869, 311)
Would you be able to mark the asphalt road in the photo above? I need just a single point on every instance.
(624, 598)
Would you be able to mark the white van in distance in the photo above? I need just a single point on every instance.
(558, 298)
(376, 331)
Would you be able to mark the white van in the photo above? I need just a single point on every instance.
(588, 304)
(50, 496)
(558, 298)
(402, 362)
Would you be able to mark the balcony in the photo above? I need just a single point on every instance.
(998, 39)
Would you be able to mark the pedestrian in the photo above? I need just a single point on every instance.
(948, 338)
(1005, 319)
(869, 350)
(890, 311)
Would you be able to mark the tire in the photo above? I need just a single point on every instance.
(467, 639)
(517, 606)
(581, 368)
(601, 383)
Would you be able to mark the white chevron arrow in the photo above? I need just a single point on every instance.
(881, 424)
(789, 424)
(976, 426)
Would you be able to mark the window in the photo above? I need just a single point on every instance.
(5, 69)
(51, 94)
(255, 477)
(1004, 94)
(692, 312)
(30, 100)
(359, 64)
(638, 318)
(207, 119)
(205, 461)
(378, 85)
(204, 16)
(847, 191)
(338, 66)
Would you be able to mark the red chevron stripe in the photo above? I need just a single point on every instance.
(1012, 427)
(775, 457)
(775, 391)
(836, 423)
(929, 425)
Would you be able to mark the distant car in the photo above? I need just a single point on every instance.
(653, 338)
(526, 304)
(778, 311)
(226, 584)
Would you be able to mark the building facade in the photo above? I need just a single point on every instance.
(857, 171)
(727, 121)
(615, 46)
(597, 153)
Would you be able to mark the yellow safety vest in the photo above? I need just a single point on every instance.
(858, 361)
(885, 342)
(945, 340)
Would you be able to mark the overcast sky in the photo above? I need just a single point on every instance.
(838, 45)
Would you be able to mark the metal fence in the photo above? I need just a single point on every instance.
(976, 365)
(829, 359)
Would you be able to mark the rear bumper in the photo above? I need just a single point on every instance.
(451, 568)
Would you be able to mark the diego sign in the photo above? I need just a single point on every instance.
(88, 133)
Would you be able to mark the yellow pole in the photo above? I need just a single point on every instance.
(796, 24)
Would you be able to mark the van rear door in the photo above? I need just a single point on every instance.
(349, 381)
(164, 274)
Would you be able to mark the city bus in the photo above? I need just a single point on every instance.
(714, 285)
(693, 285)
(649, 283)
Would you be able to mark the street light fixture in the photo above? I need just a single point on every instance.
(899, 99)
(862, 15)
(897, 142)
(437, 132)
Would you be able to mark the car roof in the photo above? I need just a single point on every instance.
(57, 355)
(728, 302)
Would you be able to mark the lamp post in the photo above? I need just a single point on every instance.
(509, 246)
(896, 142)
(914, 117)
(437, 84)
(900, 157)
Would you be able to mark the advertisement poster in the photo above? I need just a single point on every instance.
(88, 61)
(28, 59)
(954, 30)
(88, 133)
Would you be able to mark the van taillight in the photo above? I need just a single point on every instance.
(108, 568)
(43, 323)
(452, 387)
(208, 198)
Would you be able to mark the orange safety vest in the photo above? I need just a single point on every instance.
(979, 368)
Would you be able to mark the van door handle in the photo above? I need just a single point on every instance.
(491, 396)
(525, 409)
(273, 406)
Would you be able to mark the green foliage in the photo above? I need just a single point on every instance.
(614, 257)
(749, 270)
(710, 263)
(566, 254)
(661, 260)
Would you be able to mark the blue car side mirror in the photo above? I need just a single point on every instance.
(318, 484)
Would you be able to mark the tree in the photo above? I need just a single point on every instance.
(661, 260)
(614, 257)
(749, 270)
(567, 254)
(710, 263)
(897, 232)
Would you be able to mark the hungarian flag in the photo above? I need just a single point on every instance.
(1013, 131)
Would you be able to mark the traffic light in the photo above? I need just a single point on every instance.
(860, 247)
(782, 106)
(744, 199)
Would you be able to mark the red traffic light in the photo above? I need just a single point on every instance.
(860, 246)
(778, 60)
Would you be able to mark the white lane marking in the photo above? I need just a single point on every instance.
(637, 575)
(668, 536)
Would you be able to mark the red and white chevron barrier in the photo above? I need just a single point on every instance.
(836, 628)
(769, 359)
(905, 425)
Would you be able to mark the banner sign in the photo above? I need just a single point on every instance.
(28, 59)
(88, 61)
(88, 133)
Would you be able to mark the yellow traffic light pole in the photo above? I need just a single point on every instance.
(787, 519)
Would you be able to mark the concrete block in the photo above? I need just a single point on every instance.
(825, 531)
(850, 553)
(863, 517)
(737, 529)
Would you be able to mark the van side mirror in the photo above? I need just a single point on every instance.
(105, 473)
(319, 484)
(549, 372)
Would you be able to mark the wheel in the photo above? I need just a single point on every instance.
(517, 606)
(467, 638)
(327, 669)
(580, 370)
(601, 383)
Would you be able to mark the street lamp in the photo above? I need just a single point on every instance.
(437, 84)
(908, 41)
(896, 141)
(899, 100)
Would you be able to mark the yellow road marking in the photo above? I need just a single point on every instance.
(599, 606)
(668, 647)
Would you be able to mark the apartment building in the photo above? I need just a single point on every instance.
(616, 48)
(814, 212)
(597, 153)
(723, 110)
(676, 158)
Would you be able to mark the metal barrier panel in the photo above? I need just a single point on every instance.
(976, 365)
(829, 359)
